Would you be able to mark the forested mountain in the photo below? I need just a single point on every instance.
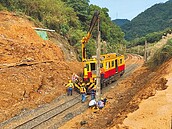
(120, 22)
(70, 18)
(156, 18)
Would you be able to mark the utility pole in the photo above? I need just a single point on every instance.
(98, 64)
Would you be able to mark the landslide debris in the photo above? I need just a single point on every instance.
(33, 71)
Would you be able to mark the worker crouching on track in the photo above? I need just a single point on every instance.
(70, 87)
(101, 103)
(83, 92)
(92, 103)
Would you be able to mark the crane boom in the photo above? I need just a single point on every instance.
(87, 37)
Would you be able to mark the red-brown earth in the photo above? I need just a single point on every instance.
(33, 71)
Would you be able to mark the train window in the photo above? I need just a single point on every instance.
(113, 63)
(107, 65)
(93, 66)
(120, 61)
(101, 65)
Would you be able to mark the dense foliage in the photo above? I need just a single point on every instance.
(71, 19)
(154, 19)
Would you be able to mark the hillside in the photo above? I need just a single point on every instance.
(33, 70)
(120, 22)
(155, 18)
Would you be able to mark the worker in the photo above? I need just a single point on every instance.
(70, 87)
(75, 78)
(104, 100)
(100, 104)
(93, 93)
(83, 92)
(92, 103)
(102, 73)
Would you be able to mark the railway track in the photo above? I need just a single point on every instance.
(135, 64)
(35, 118)
(62, 109)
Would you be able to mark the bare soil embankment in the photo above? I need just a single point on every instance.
(154, 112)
(32, 71)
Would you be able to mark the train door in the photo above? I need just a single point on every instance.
(93, 67)
(93, 71)
(116, 65)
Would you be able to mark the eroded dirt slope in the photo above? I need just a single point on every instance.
(32, 71)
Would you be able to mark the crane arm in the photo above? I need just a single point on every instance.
(87, 37)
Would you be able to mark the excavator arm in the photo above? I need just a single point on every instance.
(87, 37)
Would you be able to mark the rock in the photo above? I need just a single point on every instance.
(109, 96)
(83, 122)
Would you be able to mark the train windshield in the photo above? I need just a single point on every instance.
(93, 66)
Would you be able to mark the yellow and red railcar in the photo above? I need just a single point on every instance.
(112, 67)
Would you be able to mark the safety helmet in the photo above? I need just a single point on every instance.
(101, 98)
(70, 81)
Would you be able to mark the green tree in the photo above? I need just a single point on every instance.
(81, 8)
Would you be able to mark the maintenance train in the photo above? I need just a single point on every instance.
(112, 66)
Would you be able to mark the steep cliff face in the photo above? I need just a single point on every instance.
(33, 71)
